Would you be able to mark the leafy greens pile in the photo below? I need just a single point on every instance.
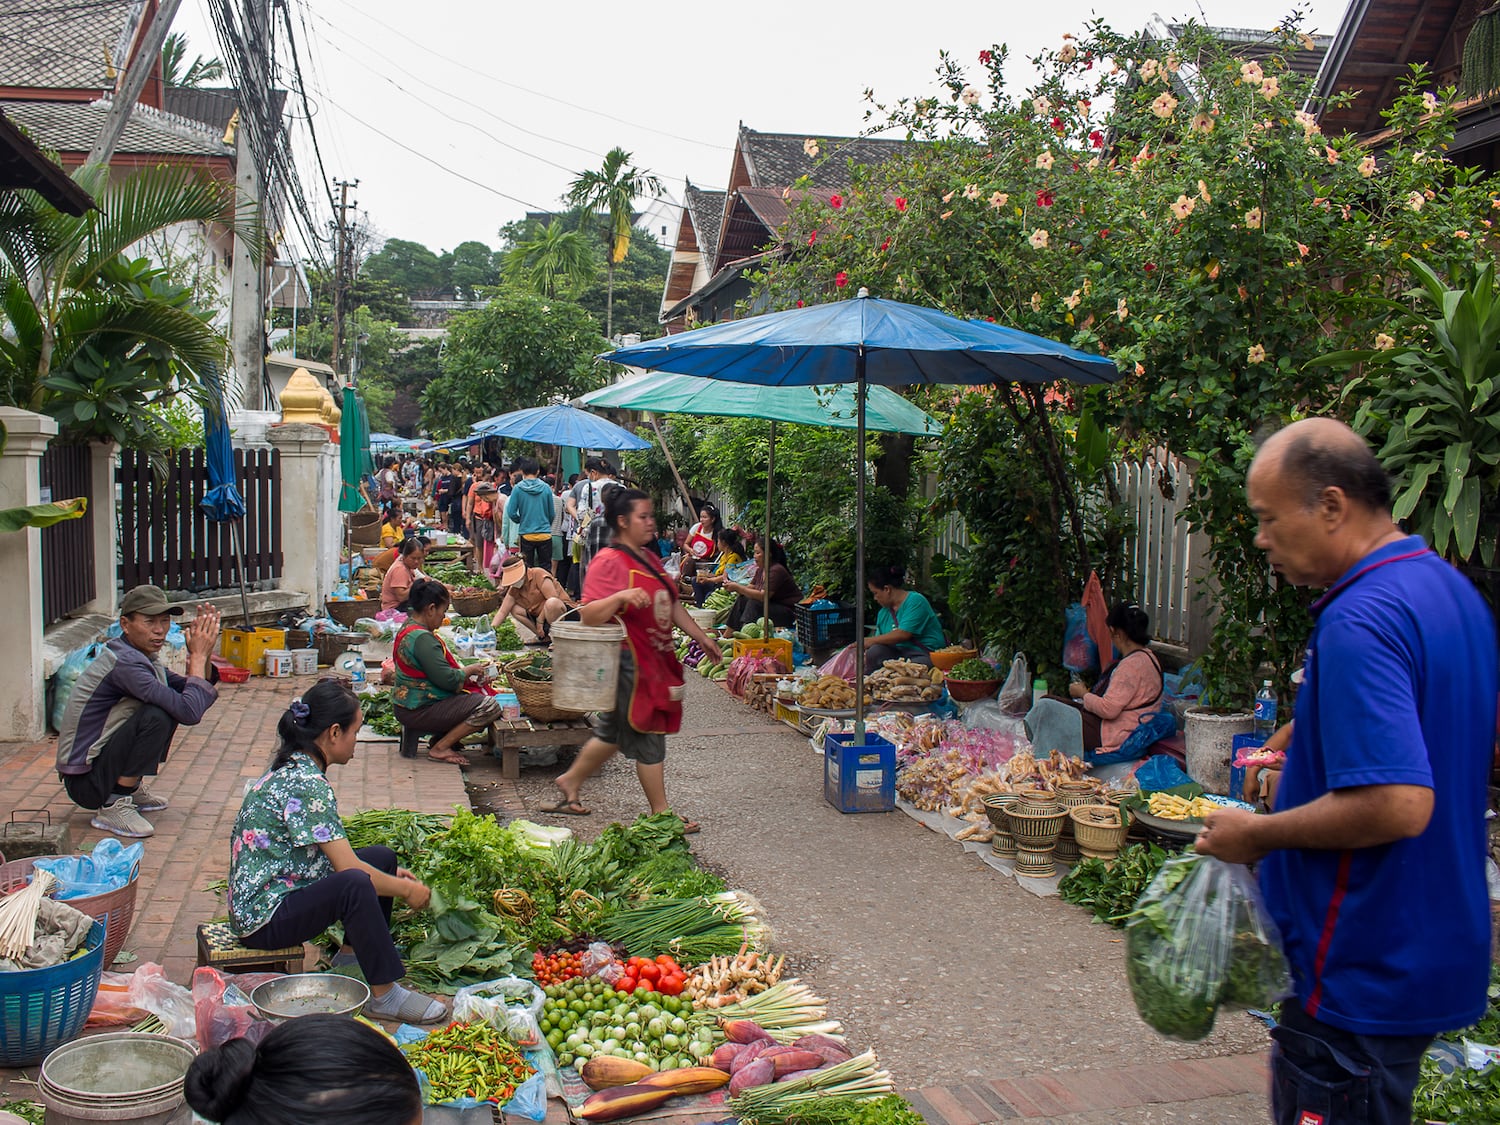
(1111, 892)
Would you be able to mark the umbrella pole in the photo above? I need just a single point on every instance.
(672, 464)
(239, 558)
(859, 548)
(765, 578)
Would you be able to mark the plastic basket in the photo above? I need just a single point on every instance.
(828, 627)
(859, 777)
(246, 648)
(113, 909)
(43, 1008)
(788, 713)
(780, 649)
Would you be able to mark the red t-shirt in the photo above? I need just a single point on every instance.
(614, 570)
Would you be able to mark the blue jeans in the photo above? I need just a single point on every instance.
(1324, 1075)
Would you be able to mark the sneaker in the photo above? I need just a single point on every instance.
(147, 801)
(122, 819)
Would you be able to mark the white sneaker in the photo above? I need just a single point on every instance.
(122, 819)
(147, 801)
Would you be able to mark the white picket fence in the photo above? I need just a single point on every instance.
(1162, 556)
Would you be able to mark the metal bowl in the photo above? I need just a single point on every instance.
(304, 994)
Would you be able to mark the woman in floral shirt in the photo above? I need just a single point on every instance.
(292, 873)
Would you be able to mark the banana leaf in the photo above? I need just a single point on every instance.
(42, 515)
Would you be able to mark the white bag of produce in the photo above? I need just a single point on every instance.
(510, 1004)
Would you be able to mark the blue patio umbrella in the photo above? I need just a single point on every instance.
(561, 424)
(223, 501)
(861, 341)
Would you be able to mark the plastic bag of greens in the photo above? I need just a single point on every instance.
(509, 1004)
(1199, 938)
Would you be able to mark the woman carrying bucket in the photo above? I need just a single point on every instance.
(626, 581)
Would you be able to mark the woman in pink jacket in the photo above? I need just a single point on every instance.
(1132, 687)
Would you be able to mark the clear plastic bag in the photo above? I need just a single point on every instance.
(988, 715)
(510, 1004)
(598, 958)
(1015, 693)
(171, 1003)
(1199, 939)
(111, 866)
(222, 1011)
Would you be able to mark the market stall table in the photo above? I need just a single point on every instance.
(509, 736)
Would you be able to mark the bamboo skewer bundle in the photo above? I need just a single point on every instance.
(18, 914)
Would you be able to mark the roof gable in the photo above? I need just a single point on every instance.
(705, 210)
(778, 160)
(73, 127)
(65, 44)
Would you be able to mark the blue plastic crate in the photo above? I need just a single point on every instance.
(859, 776)
(824, 627)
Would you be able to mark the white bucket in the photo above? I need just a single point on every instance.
(585, 665)
(304, 662)
(278, 663)
(707, 619)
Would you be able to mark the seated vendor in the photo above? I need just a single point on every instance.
(400, 575)
(1113, 707)
(125, 709)
(731, 553)
(907, 627)
(392, 531)
(292, 873)
(532, 596)
(771, 572)
(433, 693)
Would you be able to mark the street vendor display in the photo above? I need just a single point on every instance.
(292, 871)
(772, 591)
(627, 581)
(328, 1069)
(434, 694)
(1112, 709)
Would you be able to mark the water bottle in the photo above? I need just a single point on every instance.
(1265, 710)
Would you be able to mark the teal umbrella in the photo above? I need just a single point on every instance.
(354, 451)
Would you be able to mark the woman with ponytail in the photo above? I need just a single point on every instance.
(292, 873)
(323, 1068)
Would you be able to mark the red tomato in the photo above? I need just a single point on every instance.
(672, 985)
(625, 984)
(650, 971)
(666, 962)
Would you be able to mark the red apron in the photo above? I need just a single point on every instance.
(411, 671)
(656, 700)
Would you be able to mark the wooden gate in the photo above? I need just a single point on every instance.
(167, 539)
(67, 547)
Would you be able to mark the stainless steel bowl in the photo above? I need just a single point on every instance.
(305, 994)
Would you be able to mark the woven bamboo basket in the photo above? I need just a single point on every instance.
(478, 605)
(346, 611)
(535, 696)
(1037, 831)
(1099, 828)
(1037, 802)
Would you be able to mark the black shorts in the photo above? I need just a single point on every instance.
(614, 726)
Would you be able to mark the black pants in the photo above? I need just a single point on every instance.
(876, 655)
(537, 553)
(348, 897)
(137, 749)
(1324, 1073)
(747, 610)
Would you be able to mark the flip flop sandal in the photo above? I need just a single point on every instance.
(691, 827)
(568, 808)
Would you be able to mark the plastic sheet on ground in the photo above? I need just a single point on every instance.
(951, 826)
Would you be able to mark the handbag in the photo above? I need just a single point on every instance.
(1150, 729)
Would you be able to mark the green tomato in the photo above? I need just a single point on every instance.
(584, 1051)
(633, 1029)
(642, 1057)
(649, 1011)
(609, 1046)
(670, 1041)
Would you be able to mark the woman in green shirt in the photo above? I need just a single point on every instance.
(907, 627)
(431, 694)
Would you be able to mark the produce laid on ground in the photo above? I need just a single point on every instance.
(460, 580)
(469, 1060)
(828, 693)
(905, 681)
(380, 714)
(1111, 890)
(721, 981)
(585, 1018)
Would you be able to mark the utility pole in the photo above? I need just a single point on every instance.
(247, 274)
(132, 80)
(343, 269)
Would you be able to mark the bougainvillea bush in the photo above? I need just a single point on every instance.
(1173, 206)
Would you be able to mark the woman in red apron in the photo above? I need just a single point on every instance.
(626, 581)
(434, 694)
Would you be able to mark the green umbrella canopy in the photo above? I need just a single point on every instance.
(667, 393)
(354, 451)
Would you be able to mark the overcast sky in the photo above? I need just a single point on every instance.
(519, 97)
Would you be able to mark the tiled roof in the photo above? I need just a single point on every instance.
(776, 160)
(74, 126)
(65, 44)
(24, 165)
(213, 105)
(706, 211)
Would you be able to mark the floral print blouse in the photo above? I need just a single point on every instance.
(275, 849)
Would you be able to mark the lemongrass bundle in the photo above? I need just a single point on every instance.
(859, 1077)
(18, 914)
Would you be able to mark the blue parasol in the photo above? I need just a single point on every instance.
(561, 424)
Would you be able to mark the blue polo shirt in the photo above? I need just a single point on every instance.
(1399, 688)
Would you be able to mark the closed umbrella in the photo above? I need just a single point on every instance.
(223, 501)
(862, 341)
(561, 424)
(354, 451)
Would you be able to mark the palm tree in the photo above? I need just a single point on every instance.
(552, 262)
(613, 189)
(74, 303)
(199, 71)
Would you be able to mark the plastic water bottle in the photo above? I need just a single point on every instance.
(1265, 710)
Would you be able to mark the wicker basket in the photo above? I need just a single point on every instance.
(114, 909)
(346, 611)
(1037, 802)
(1037, 831)
(1035, 863)
(1099, 828)
(535, 696)
(477, 606)
(971, 691)
(996, 807)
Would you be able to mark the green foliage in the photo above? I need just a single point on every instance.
(1464, 1097)
(1432, 405)
(519, 350)
(613, 189)
(1159, 204)
(552, 262)
(411, 267)
(1111, 892)
(199, 72)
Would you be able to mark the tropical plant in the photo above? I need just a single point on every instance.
(553, 262)
(38, 515)
(75, 310)
(613, 189)
(1431, 402)
(199, 72)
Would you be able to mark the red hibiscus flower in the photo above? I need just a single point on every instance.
(900, 203)
(1096, 139)
(1104, 232)
(886, 245)
(1057, 125)
(812, 238)
(835, 201)
(841, 279)
(799, 304)
(985, 57)
(1045, 198)
(1149, 267)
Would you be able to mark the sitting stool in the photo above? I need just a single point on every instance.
(218, 948)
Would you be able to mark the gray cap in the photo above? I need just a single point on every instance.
(150, 600)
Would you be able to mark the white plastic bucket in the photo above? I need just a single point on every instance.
(278, 663)
(304, 662)
(707, 619)
(585, 665)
